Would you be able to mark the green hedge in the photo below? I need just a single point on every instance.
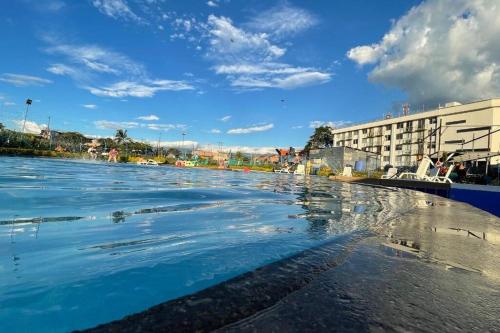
(36, 152)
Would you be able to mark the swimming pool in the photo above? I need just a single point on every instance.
(85, 243)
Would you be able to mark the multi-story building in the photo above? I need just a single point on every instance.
(403, 140)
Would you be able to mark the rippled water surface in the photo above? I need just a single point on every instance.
(85, 243)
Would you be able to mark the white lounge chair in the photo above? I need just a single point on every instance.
(391, 173)
(282, 170)
(301, 170)
(445, 178)
(347, 172)
(421, 173)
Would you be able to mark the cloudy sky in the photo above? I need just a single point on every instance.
(245, 73)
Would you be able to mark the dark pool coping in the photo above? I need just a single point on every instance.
(239, 297)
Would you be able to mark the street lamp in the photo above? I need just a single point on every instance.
(28, 103)
(183, 135)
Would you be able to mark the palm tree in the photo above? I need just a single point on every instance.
(121, 136)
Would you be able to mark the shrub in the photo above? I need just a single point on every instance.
(325, 171)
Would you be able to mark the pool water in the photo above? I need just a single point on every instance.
(84, 243)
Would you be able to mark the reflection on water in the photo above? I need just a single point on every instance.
(79, 236)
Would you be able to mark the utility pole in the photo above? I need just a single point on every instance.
(183, 150)
(158, 147)
(220, 151)
(28, 103)
(50, 134)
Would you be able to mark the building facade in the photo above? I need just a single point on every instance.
(403, 140)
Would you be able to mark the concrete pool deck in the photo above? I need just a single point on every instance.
(428, 270)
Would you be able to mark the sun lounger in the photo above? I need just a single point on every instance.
(421, 173)
(391, 173)
(301, 170)
(445, 178)
(347, 172)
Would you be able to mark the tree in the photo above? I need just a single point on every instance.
(174, 151)
(1, 126)
(239, 155)
(121, 136)
(322, 138)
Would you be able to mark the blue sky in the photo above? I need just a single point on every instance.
(245, 73)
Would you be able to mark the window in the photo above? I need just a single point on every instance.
(433, 120)
(399, 147)
(386, 158)
(409, 124)
(387, 148)
(455, 122)
(365, 131)
(399, 136)
(485, 128)
(388, 138)
(355, 141)
(388, 127)
(453, 142)
(399, 125)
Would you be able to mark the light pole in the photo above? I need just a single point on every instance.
(158, 148)
(28, 103)
(184, 151)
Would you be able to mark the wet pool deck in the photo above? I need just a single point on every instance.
(429, 271)
(482, 196)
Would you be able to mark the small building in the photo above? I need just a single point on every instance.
(267, 159)
(336, 158)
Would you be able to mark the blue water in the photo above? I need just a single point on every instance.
(85, 243)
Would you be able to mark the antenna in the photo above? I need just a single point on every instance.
(406, 109)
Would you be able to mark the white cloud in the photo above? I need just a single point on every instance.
(21, 80)
(91, 64)
(247, 55)
(61, 69)
(225, 118)
(175, 144)
(117, 9)
(215, 131)
(164, 127)
(9, 103)
(247, 59)
(30, 126)
(151, 117)
(106, 124)
(89, 106)
(136, 89)
(212, 4)
(243, 149)
(94, 59)
(228, 42)
(297, 127)
(283, 20)
(332, 124)
(252, 129)
(439, 51)
(284, 82)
